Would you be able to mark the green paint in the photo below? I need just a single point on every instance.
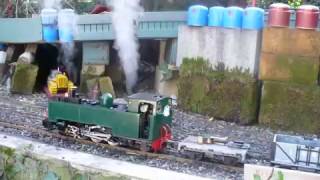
(229, 94)
(123, 124)
(290, 107)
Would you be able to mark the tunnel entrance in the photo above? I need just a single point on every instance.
(49, 57)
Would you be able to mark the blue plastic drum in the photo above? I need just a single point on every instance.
(232, 17)
(67, 25)
(49, 18)
(66, 35)
(2, 47)
(253, 18)
(198, 15)
(216, 16)
(50, 33)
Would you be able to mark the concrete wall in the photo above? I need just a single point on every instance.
(234, 47)
(255, 172)
(22, 159)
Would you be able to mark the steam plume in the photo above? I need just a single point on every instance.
(52, 4)
(67, 22)
(124, 18)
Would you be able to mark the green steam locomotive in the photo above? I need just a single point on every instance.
(141, 122)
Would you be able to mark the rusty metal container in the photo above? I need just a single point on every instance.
(279, 15)
(307, 17)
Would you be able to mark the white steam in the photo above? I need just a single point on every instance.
(67, 23)
(124, 18)
(52, 4)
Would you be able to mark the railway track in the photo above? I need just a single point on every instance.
(29, 119)
(45, 133)
(34, 118)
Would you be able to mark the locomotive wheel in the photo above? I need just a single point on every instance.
(144, 147)
(47, 124)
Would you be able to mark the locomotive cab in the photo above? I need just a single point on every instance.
(155, 117)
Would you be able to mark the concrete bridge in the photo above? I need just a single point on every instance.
(152, 25)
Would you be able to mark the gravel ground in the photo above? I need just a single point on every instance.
(31, 109)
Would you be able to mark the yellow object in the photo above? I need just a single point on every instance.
(60, 84)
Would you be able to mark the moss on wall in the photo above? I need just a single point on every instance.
(16, 165)
(26, 73)
(219, 92)
(290, 107)
(288, 68)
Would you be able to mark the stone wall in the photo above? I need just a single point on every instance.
(289, 70)
(231, 95)
(228, 85)
(228, 89)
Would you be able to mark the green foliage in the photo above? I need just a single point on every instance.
(223, 93)
(295, 3)
(7, 151)
(291, 107)
(195, 66)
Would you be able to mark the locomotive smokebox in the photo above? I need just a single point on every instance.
(307, 17)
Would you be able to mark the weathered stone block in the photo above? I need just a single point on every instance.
(275, 40)
(96, 70)
(24, 78)
(166, 87)
(106, 86)
(32, 48)
(290, 107)
(228, 95)
(288, 68)
(83, 82)
(291, 41)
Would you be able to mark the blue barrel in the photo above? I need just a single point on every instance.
(216, 16)
(253, 18)
(49, 25)
(198, 15)
(2, 47)
(67, 25)
(232, 17)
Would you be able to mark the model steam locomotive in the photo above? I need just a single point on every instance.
(144, 122)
